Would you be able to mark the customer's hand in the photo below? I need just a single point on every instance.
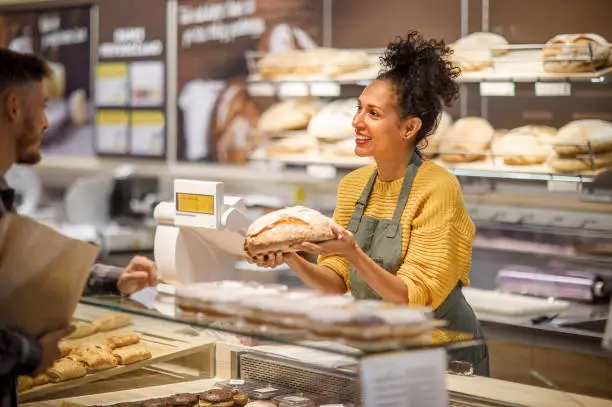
(139, 274)
(268, 260)
(50, 348)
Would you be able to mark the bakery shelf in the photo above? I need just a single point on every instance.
(164, 309)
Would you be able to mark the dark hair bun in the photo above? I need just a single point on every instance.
(423, 76)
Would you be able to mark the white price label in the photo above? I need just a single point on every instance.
(293, 89)
(497, 89)
(409, 379)
(553, 89)
(259, 89)
(325, 89)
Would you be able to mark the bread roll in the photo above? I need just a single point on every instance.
(495, 43)
(574, 137)
(467, 140)
(298, 143)
(281, 229)
(335, 121)
(526, 145)
(319, 61)
(82, 329)
(289, 115)
(566, 53)
(575, 165)
(430, 145)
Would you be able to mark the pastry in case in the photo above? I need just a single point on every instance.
(526, 145)
(567, 53)
(184, 400)
(216, 398)
(292, 314)
(268, 392)
(584, 136)
(467, 140)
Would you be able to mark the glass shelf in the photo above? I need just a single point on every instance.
(163, 308)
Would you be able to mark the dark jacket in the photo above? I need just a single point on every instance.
(20, 354)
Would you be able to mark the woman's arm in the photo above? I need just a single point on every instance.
(316, 276)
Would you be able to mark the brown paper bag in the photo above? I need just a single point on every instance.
(42, 275)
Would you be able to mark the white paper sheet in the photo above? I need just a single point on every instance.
(405, 379)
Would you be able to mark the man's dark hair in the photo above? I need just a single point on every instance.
(18, 69)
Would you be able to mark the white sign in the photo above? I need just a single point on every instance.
(497, 89)
(405, 379)
(325, 89)
(293, 89)
(553, 89)
(260, 89)
(130, 42)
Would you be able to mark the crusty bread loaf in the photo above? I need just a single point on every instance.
(526, 145)
(281, 229)
(467, 140)
(575, 165)
(298, 142)
(335, 121)
(566, 53)
(292, 114)
(319, 61)
(574, 137)
(430, 145)
(495, 43)
(470, 60)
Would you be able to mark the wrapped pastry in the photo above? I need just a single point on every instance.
(66, 369)
(82, 329)
(281, 229)
(570, 53)
(294, 114)
(119, 341)
(111, 321)
(526, 145)
(575, 137)
(131, 354)
(467, 140)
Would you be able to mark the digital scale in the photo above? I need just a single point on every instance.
(201, 234)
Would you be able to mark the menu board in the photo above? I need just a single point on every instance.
(131, 79)
(215, 114)
(62, 37)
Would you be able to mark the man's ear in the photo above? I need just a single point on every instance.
(12, 107)
(410, 127)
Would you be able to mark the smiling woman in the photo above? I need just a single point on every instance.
(403, 233)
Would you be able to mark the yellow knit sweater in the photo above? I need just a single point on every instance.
(437, 230)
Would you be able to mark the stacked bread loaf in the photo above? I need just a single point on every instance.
(582, 145)
(567, 53)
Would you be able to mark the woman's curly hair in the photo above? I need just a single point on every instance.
(423, 76)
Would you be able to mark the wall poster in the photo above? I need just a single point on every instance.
(62, 37)
(131, 79)
(215, 114)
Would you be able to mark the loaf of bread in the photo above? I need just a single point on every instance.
(526, 145)
(319, 61)
(281, 229)
(335, 121)
(567, 53)
(297, 143)
(294, 114)
(576, 136)
(575, 165)
(468, 139)
(494, 43)
(430, 145)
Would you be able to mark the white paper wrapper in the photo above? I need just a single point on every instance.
(43, 274)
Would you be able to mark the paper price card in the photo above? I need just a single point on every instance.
(112, 84)
(148, 133)
(111, 131)
(405, 379)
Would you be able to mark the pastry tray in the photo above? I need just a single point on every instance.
(164, 346)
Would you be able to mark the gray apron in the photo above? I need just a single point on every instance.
(381, 240)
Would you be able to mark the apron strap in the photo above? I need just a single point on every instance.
(361, 204)
(411, 172)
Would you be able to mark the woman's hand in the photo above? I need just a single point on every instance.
(271, 259)
(344, 244)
